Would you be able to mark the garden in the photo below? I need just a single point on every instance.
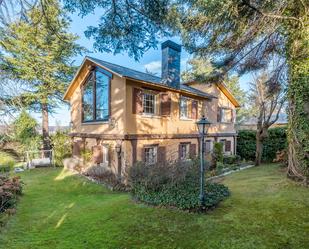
(59, 209)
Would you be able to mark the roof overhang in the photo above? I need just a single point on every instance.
(165, 87)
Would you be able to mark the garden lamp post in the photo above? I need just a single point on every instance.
(203, 125)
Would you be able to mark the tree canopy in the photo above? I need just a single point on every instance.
(37, 52)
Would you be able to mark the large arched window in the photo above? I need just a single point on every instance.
(96, 97)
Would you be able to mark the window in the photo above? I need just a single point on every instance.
(227, 146)
(184, 152)
(149, 103)
(184, 110)
(96, 97)
(88, 100)
(151, 154)
(226, 115)
(208, 146)
(105, 149)
(188, 108)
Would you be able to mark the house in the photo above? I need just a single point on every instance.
(123, 116)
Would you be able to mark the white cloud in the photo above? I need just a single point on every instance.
(154, 67)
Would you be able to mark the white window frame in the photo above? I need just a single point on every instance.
(184, 103)
(150, 93)
(154, 154)
(224, 118)
(210, 146)
(187, 151)
(105, 150)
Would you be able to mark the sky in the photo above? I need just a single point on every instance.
(150, 61)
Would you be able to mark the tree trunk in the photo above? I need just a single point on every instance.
(45, 127)
(258, 151)
(298, 95)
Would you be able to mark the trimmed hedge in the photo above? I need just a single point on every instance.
(276, 141)
(173, 186)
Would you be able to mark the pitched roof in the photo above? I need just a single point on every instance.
(133, 74)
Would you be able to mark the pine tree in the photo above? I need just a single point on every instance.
(37, 52)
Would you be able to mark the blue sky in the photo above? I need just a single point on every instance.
(151, 60)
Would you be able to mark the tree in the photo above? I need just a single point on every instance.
(38, 52)
(268, 96)
(24, 128)
(238, 35)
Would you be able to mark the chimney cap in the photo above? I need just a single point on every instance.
(172, 45)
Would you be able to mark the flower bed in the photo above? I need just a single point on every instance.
(174, 185)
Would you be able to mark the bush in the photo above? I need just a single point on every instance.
(218, 152)
(104, 174)
(174, 185)
(276, 141)
(6, 162)
(10, 189)
(62, 148)
(231, 159)
(24, 128)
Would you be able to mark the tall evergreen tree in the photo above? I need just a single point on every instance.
(38, 52)
(240, 35)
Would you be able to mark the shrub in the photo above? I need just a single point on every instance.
(104, 174)
(6, 162)
(175, 185)
(10, 189)
(276, 141)
(62, 148)
(231, 159)
(24, 128)
(86, 154)
(217, 154)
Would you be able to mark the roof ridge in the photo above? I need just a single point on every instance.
(125, 67)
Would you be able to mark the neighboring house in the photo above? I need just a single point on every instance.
(251, 123)
(125, 116)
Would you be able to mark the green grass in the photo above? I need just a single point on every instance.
(59, 210)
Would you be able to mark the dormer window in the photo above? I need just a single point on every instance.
(95, 98)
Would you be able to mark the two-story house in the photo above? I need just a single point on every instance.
(124, 116)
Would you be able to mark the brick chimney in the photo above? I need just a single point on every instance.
(171, 53)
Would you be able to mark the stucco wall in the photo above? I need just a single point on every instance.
(211, 107)
(141, 124)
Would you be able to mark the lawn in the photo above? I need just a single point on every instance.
(59, 210)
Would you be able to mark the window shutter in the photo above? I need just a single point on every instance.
(161, 154)
(137, 101)
(192, 150)
(227, 146)
(77, 148)
(97, 154)
(194, 108)
(165, 104)
(219, 114)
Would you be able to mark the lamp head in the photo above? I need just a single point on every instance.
(203, 125)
